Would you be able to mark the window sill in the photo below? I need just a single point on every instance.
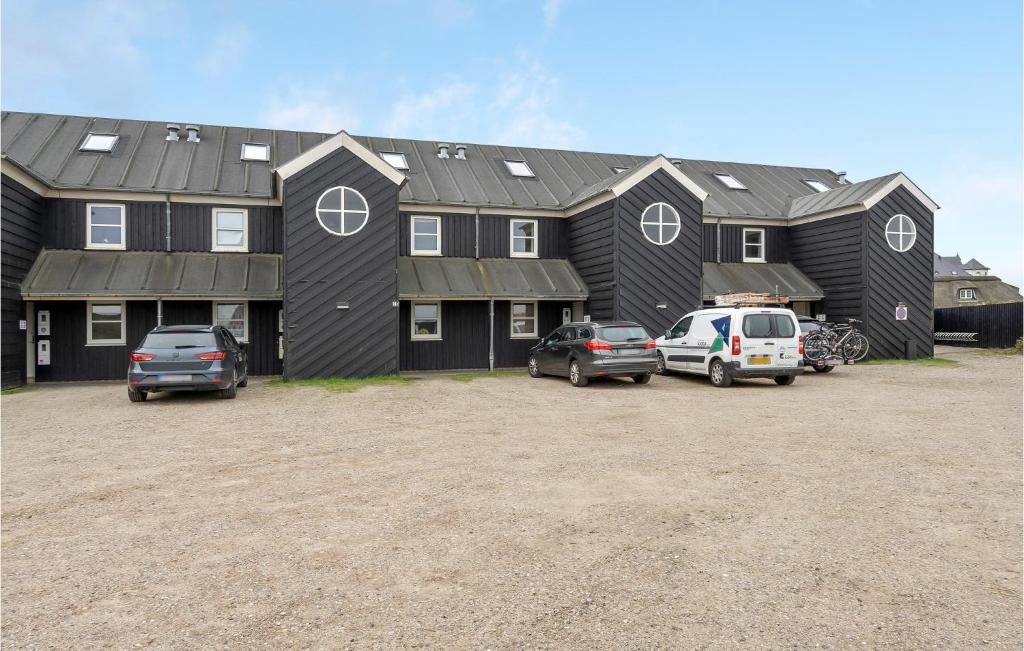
(105, 247)
(523, 255)
(523, 337)
(754, 261)
(428, 254)
(229, 250)
(105, 343)
(426, 339)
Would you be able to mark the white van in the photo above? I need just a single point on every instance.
(724, 343)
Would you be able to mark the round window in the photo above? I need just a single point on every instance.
(342, 211)
(900, 233)
(660, 224)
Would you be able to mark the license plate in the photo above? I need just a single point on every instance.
(174, 378)
(760, 359)
(631, 351)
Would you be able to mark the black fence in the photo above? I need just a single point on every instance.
(998, 326)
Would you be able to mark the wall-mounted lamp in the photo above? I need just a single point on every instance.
(662, 306)
(342, 306)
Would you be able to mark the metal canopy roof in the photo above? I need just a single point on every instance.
(423, 277)
(128, 274)
(728, 277)
(143, 160)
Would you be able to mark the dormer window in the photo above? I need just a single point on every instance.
(968, 294)
(255, 151)
(817, 186)
(519, 168)
(102, 142)
(729, 181)
(395, 159)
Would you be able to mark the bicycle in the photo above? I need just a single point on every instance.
(837, 341)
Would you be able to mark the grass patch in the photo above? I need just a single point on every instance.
(11, 391)
(923, 361)
(476, 375)
(341, 384)
(1012, 352)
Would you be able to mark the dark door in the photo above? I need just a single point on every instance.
(560, 354)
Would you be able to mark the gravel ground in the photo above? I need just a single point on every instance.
(876, 506)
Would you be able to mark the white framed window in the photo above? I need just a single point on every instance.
(523, 238)
(817, 186)
(230, 229)
(519, 168)
(753, 245)
(425, 238)
(342, 211)
(660, 223)
(729, 181)
(255, 151)
(426, 321)
(104, 323)
(105, 226)
(395, 159)
(234, 316)
(524, 320)
(103, 142)
(968, 294)
(900, 233)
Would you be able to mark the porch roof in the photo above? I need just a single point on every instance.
(781, 278)
(453, 278)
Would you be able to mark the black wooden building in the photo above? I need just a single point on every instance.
(339, 255)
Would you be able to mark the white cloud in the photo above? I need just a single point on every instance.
(227, 51)
(442, 107)
(524, 105)
(552, 9)
(308, 109)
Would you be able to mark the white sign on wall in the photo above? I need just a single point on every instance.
(43, 323)
(901, 312)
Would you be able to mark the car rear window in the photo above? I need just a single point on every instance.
(179, 340)
(622, 333)
(768, 326)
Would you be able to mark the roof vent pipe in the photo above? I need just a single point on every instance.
(442, 149)
(172, 132)
(193, 132)
(460, 152)
(676, 161)
(841, 177)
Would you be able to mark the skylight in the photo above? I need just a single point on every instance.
(99, 142)
(518, 168)
(729, 181)
(395, 159)
(817, 186)
(620, 170)
(255, 151)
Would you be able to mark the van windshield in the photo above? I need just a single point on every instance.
(180, 340)
(768, 326)
(623, 333)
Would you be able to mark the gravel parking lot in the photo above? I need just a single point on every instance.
(876, 505)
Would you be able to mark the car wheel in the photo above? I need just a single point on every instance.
(784, 380)
(719, 374)
(232, 389)
(533, 367)
(135, 395)
(245, 378)
(661, 368)
(642, 379)
(823, 369)
(576, 375)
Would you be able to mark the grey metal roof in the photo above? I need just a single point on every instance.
(143, 160)
(842, 197)
(773, 278)
(974, 264)
(949, 265)
(423, 277)
(150, 273)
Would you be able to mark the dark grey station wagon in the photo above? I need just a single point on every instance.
(187, 358)
(581, 351)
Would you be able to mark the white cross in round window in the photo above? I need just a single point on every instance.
(900, 233)
(660, 224)
(342, 211)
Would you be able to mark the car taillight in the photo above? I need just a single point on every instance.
(650, 344)
(209, 356)
(736, 345)
(141, 357)
(596, 344)
(800, 345)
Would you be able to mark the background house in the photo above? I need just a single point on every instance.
(960, 284)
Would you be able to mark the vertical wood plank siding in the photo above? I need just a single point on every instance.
(710, 234)
(458, 234)
(591, 243)
(894, 277)
(831, 253)
(512, 353)
(464, 344)
(776, 241)
(649, 274)
(146, 224)
(998, 326)
(21, 237)
(323, 270)
(495, 237)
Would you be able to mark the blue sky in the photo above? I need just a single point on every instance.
(929, 88)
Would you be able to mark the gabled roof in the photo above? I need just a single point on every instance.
(47, 148)
(948, 265)
(856, 197)
(974, 264)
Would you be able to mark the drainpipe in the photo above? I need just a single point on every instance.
(476, 232)
(490, 339)
(30, 342)
(159, 311)
(718, 240)
(167, 245)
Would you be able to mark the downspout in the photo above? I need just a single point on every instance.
(167, 227)
(476, 232)
(718, 240)
(30, 342)
(490, 338)
(159, 311)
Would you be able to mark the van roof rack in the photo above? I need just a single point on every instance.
(751, 299)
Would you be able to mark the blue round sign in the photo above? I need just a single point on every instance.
(901, 313)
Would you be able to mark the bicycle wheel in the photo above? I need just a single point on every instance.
(856, 347)
(815, 347)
